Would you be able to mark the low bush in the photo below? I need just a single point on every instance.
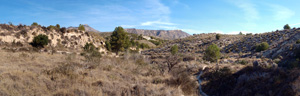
(174, 49)
(91, 53)
(144, 46)
(155, 42)
(262, 46)
(218, 36)
(298, 41)
(40, 41)
(212, 53)
(243, 62)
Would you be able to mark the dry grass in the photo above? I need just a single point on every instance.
(40, 74)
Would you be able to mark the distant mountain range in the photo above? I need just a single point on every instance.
(164, 34)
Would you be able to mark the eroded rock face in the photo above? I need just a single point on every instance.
(23, 34)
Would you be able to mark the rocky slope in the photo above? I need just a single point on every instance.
(164, 34)
(23, 35)
(241, 70)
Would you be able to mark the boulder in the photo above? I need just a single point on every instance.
(255, 64)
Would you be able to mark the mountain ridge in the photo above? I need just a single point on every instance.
(165, 34)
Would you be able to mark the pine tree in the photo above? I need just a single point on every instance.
(119, 40)
(286, 26)
(57, 26)
(81, 27)
(218, 36)
(212, 53)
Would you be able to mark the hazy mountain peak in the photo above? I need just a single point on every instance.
(87, 28)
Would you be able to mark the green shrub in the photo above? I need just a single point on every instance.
(91, 53)
(298, 41)
(57, 26)
(243, 62)
(212, 53)
(143, 46)
(34, 24)
(40, 41)
(51, 27)
(140, 37)
(174, 49)
(81, 27)
(262, 46)
(218, 36)
(286, 26)
(63, 29)
(155, 42)
(107, 45)
(241, 33)
(89, 47)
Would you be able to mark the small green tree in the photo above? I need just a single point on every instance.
(241, 33)
(34, 24)
(119, 40)
(174, 49)
(107, 45)
(212, 53)
(262, 46)
(57, 26)
(287, 26)
(40, 41)
(218, 36)
(81, 27)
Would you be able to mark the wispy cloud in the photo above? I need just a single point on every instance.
(150, 23)
(145, 13)
(295, 24)
(250, 12)
(281, 12)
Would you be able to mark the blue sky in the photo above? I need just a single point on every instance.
(192, 16)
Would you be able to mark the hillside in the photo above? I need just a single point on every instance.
(66, 68)
(241, 69)
(164, 34)
(62, 39)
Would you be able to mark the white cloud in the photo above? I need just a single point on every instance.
(153, 13)
(250, 12)
(150, 23)
(295, 24)
(281, 12)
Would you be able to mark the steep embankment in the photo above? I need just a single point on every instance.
(22, 35)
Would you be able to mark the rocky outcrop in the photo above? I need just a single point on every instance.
(164, 34)
(72, 38)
